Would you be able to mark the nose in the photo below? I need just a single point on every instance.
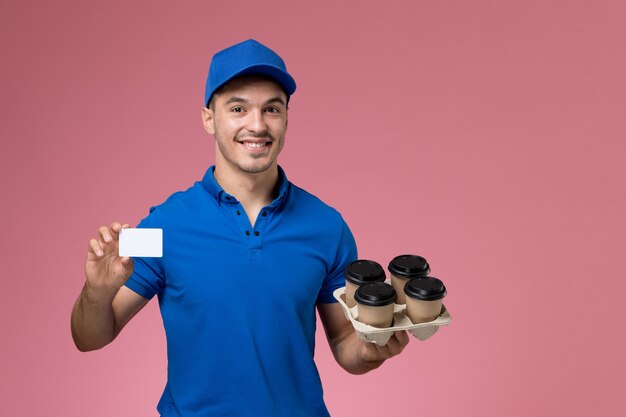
(256, 122)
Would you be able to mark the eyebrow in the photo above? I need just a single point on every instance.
(236, 99)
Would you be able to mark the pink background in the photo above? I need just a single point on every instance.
(487, 136)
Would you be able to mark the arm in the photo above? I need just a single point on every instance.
(352, 354)
(104, 306)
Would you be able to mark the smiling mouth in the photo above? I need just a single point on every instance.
(255, 146)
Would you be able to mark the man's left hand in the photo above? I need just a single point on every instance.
(351, 353)
(376, 355)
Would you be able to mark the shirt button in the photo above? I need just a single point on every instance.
(263, 214)
(228, 198)
(256, 233)
(238, 213)
(247, 233)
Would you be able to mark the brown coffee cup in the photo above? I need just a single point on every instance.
(424, 299)
(375, 304)
(402, 269)
(361, 272)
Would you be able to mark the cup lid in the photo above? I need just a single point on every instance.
(363, 271)
(375, 294)
(409, 266)
(425, 288)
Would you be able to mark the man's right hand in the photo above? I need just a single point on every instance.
(105, 305)
(105, 270)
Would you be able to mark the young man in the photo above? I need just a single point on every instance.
(247, 257)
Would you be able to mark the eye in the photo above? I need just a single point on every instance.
(272, 110)
(237, 109)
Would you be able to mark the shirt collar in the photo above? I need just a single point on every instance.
(222, 197)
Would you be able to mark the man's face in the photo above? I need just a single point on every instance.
(248, 118)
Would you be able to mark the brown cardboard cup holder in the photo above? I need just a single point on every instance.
(401, 321)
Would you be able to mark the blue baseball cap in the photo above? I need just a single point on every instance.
(245, 58)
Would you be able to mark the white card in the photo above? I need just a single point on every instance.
(145, 243)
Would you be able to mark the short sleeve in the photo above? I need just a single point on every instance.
(345, 254)
(148, 278)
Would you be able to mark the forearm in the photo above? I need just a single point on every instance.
(93, 319)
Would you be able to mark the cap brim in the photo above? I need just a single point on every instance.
(281, 76)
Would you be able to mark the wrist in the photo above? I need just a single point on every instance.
(99, 294)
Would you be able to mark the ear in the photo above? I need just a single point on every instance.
(208, 120)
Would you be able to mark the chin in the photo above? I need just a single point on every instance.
(255, 168)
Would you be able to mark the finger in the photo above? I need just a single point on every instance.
(397, 342)
(95, 248)
(115, 229)
(375, 353)
(127, 265)
(385, 351)
(105, 234)
(403, 337)
(393, 346)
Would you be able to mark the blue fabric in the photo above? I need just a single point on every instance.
(238, 309)
(248, 57)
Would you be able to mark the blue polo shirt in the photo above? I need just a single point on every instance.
(238, 300)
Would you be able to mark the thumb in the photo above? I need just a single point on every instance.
(127, 265)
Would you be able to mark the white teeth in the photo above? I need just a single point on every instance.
(254, 145)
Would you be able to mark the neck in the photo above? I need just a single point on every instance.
(251, 189)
